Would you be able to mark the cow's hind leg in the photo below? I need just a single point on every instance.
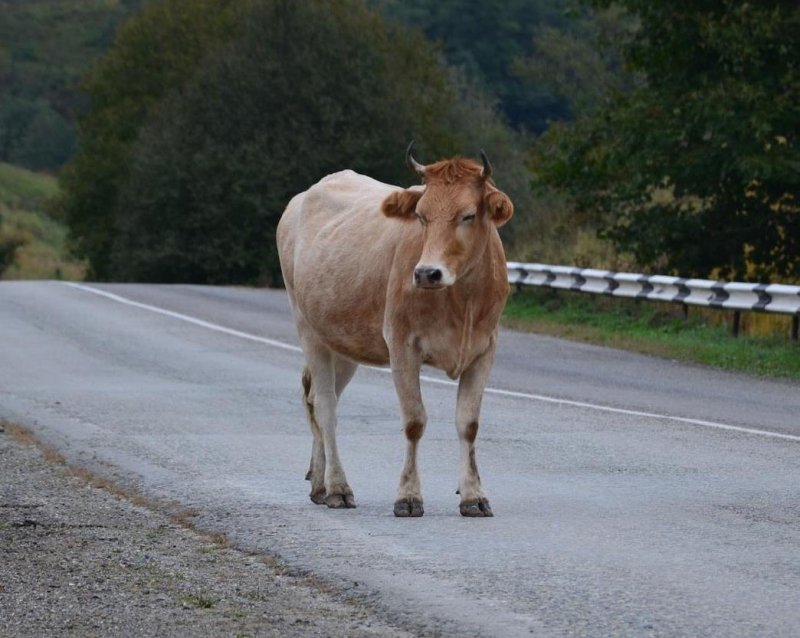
(470, 392)
(322, 405)
(344, 371)
(316, 470)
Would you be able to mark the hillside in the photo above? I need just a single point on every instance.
(45, 47)
(42, 253)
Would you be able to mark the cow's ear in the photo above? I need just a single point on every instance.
(402, 204)
(498, 206)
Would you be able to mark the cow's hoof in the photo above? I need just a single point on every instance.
(340, 501)
(477, 508)
(406, 507)
(318, 497)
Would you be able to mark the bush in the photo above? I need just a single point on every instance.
(9, 243)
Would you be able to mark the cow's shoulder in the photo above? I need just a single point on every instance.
(350, 181)
(345, 191)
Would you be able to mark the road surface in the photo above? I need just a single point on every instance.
(633, 496)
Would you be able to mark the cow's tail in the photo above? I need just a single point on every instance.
(308, 402)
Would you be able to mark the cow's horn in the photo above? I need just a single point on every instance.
(486, 172)
(413, 164)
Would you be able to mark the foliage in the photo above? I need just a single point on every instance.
(697, 171)
(45, 45)
(579, 60)
(541, 61)
(486, 39)
(155, 51)
(32, 244)
(473, 117)
(9, 243)
(20, 188)
(183, 174)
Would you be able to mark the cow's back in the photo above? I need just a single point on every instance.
(337, 253)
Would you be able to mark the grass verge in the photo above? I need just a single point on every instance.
(656, 329)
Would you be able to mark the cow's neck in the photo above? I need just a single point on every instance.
(465, 343)
(472, 298)
(478, 282)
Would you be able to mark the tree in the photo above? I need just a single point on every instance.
(155, 51)
(306, 89)
(698, 170)
(204, 122)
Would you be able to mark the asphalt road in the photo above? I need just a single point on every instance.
(633, 496)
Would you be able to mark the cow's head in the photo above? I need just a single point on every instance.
(457, 208)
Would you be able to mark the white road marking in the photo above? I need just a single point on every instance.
(187, 318)
(489, 390)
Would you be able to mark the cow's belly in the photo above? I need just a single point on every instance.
(362, 348)
(366, 344)
(347, 320)
(341, 293)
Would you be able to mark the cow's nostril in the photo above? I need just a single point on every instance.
(428, 276)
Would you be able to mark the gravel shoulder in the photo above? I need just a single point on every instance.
(77, 557)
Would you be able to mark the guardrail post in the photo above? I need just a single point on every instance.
(795, 324)
(737, 320)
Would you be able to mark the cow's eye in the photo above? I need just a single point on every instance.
(467, 218)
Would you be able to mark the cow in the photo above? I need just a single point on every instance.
(380, 275)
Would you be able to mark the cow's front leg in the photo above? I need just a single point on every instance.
(405, 373)
(468, 408)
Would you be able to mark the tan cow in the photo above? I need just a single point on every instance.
(380, 275)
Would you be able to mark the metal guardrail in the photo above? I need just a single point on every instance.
(736, 296)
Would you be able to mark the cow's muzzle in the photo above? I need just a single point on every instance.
(429, 277)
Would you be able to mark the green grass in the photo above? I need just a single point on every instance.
(21, 188)
(23, 202)
(657, 329)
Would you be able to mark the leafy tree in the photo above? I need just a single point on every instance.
(206, 117)
(155, 51)
(307, 89)
(698, 170)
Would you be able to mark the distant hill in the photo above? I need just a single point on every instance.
(489, 39)
(45, 47)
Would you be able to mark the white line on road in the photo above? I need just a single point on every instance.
(187, 318)
(508, 393)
